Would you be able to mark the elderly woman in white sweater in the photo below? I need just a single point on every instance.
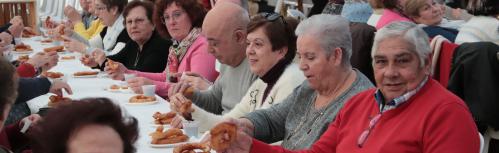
(270, 52)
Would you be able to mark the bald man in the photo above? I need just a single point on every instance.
(225, 27)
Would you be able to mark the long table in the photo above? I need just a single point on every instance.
(95, 87)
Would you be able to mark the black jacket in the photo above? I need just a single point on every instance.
(28, 89)
(475, 78)
(152, 58)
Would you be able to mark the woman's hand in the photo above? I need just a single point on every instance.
(57, 87)
(242, 142)
(88, 60)
(117, 73)
(72, 14)
(73, 45)
(137, 83)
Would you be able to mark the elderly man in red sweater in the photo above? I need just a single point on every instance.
(408, 112)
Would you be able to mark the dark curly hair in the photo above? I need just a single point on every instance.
(193, 8)
(280, 33)
(53, 132)
(481, 7)
(147, 5)
(120, 4)
(8, 85)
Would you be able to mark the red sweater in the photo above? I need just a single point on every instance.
(26, 70)
(432, 121)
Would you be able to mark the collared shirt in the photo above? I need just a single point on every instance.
(385, 106)
(87, 19)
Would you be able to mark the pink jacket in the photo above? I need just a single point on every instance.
(388, 17)
(197, 59)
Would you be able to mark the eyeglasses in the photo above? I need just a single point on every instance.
(272, 17)
(363, 136)
(175, 16)
(100, 8)
(138, 21)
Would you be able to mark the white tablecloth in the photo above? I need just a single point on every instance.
(94, 87)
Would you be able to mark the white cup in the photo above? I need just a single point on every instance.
(191, 128)
(56, 43)
(129, 76)
(149, 90)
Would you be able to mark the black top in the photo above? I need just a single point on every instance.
(152, 58)
(29, 88)
(122, 37)
(271, 77)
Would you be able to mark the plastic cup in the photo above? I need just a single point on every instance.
(129, 76)
(149, 90)
(191, 128)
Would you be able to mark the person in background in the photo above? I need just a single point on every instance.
(270, 51)
(10, 136)
(225, 27)
(393, 12)
(103, 129)
(429, 15)
(356, 10)
(484, 25)
(408, 111)
(111, 40)
(146, 52)
(324, 48)
(378, 8)
(86, 25)
(189, 52)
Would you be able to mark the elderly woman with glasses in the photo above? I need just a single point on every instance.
(111, 40)
(407, 112)
(324, 48)
(270, 52)
(182, 20)
(146, 52)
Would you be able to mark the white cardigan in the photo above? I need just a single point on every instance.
(479, 28)
(252, 100)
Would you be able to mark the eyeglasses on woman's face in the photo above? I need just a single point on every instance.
(176, 15)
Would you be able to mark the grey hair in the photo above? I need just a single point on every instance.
(411, 33)
(331, 31)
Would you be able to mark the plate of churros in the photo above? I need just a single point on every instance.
(142, 100)
(168, 138)
(85, 74)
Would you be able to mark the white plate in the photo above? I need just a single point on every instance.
(142, 103)
(85, 76)
(23, 52)
(112, 90)
(166, 126)
(167, 145)
(62, 59)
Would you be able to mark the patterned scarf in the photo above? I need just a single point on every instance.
(178, 51)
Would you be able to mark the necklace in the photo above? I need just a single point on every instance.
(317, 115)
(137, 58)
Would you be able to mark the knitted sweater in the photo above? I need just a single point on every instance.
(291, 78)
(296, 121)
(432, 121)
(228, 89)
(197, 59)
(479, 28)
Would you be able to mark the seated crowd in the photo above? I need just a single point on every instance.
(363, 76)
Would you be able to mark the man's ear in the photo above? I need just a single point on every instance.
(240, 36)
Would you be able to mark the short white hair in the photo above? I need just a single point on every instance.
(331, 31)
(411, 33)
